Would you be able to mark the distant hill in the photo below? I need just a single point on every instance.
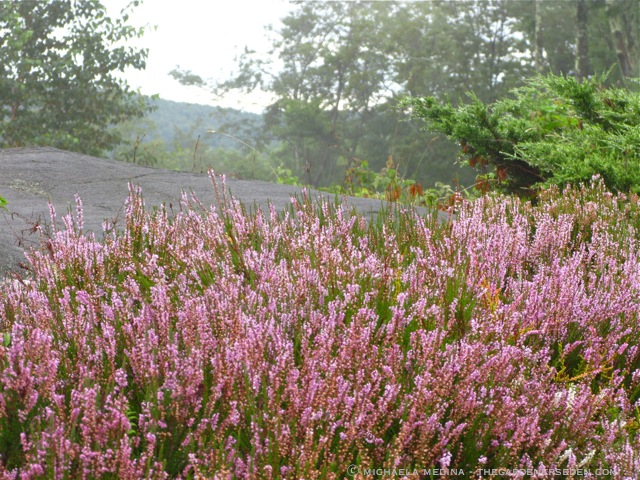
(175, 136)
(178, 121)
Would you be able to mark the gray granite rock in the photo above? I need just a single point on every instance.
(30, 178)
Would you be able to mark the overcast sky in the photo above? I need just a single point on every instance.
(203, 36)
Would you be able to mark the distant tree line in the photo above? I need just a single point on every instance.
(338, 70)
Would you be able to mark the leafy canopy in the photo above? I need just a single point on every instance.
(58, 77)
(555, 130)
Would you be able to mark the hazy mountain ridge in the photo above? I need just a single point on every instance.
(180, 122)
(179, 136)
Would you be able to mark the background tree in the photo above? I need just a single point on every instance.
(624, 21)
(444, 49)
(327, 77)
(582, 40)
(58, 76)
(338, 69)
(582, 37)
(538, 41)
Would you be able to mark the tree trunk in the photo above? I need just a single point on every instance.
(582, 41)
(328, 167)
(538, 42)
(624, 42)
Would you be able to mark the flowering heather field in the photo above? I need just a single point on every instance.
(216, 343)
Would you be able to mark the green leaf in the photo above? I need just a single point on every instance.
(59, 79)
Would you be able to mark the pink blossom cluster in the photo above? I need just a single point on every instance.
(218, 343)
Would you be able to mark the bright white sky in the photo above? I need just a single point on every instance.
(203, 36)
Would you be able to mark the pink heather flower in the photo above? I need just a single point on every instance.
(445, 460)
(508, 337)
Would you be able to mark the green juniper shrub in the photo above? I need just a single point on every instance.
(553, 131)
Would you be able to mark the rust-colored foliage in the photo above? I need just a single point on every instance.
(416, 190)
(478, 160)
(482, 184)
(454, 199)
(393, 193)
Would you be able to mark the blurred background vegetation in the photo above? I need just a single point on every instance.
(337, 72)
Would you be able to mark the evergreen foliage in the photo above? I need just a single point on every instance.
(553, 131)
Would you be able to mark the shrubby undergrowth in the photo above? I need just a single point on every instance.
(553, 131)
(217, 343)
